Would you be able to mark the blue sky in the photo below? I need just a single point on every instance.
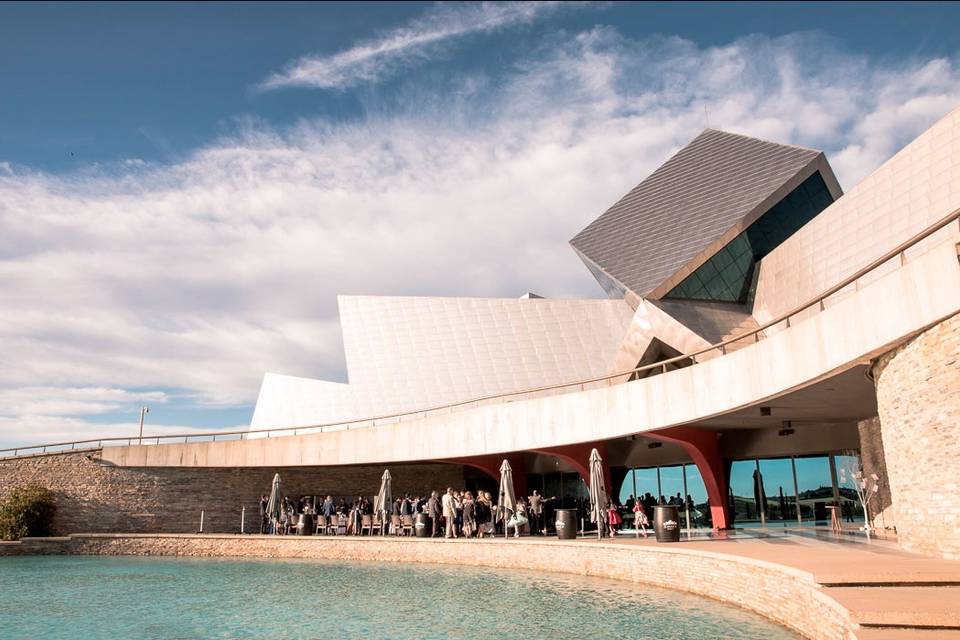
(184, 188)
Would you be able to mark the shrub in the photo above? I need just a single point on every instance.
(27, 511)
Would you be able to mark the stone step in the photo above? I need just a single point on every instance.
(917, 607)
(908, 633)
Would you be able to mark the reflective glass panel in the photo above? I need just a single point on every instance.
(778, 487)
(671, 484)
(815, 488)
(700, 511)
(851, 511)
(743, 505)
(647, 481)
(626, 489)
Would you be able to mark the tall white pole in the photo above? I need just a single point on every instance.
(243, 513)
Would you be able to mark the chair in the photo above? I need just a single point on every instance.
(396, 525)
(377, 523)
(321, 525)
(366, 524)
(407, 525)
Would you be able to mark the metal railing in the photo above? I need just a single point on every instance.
(578, 385)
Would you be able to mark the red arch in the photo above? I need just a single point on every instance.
(703, 447)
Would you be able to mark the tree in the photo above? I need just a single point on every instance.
(866, 487)
(27, 511)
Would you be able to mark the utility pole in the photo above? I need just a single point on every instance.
(143, 412)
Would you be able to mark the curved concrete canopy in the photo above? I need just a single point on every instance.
(862, 325)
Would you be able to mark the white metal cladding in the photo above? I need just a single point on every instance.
(410, 352)
(912, 190)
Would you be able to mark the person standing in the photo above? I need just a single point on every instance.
(536, 512)
(469, 515)
(328, 508)
(640, 521)
(263, 515)
(517, 520)
(613, 517)
(434, 512)
(449, 513)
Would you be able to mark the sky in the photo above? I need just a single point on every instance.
(185, 188)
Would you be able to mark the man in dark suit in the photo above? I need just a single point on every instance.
(263, 514)
(536, 512)
(434, 510)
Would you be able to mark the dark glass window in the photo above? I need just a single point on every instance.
(728, 275)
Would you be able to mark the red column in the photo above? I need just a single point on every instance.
(703, 447)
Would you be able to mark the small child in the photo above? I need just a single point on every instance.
(613, 517)
(640, 519)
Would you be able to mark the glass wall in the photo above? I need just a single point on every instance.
(671, 485)
(675, 484)
(700, 515)
(815, 489)
(776, 475)
(743, 504)
(850, 508)
(791, 491)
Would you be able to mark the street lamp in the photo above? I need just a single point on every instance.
(143, 411)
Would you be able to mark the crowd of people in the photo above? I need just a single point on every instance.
(456, 514)
(452, 514)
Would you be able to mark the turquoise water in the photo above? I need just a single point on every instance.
(124, 598)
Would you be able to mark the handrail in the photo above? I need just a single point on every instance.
(662, 364)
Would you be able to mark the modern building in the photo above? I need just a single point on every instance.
(763, 335)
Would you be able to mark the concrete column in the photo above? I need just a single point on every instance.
(704, 449)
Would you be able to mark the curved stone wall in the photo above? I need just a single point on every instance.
(918, 397)
(788, 596)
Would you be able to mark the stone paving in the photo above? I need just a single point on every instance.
(890, 593)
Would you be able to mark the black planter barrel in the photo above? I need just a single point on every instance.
(666, 523)
(305, 525)
(566, 524)
(421, 525)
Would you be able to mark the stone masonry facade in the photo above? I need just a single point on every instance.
(918, 398)
(93, 497)
(788, 596)
(874, 462)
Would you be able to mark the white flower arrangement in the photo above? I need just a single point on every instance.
(866, 487)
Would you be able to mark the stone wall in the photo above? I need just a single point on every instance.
(918, 398)
(874, 462)
(95, 497)
(788, 596)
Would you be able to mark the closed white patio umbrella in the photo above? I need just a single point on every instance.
(508, 501)
(598, 492)
(273, 503)
(384, 498)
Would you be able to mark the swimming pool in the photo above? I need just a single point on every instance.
(94, 598)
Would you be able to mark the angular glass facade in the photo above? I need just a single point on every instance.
(728, 275)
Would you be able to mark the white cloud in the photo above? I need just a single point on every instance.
(203, 275)
(408, 45)
(69, 401)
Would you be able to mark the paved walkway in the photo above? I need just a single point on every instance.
(892, 594)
